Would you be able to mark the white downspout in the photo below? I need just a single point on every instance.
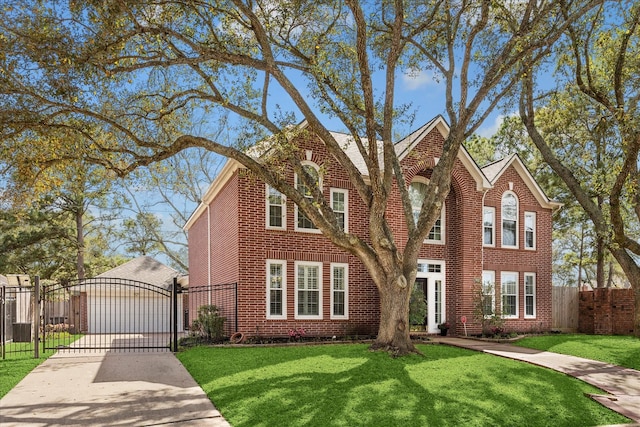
(209, 253)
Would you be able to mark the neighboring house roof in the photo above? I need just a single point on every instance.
(144, 269)
(16, 280)
(493, 171)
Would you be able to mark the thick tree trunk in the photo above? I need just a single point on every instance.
(393, 332)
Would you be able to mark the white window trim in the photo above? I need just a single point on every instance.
(346, 291)
(493, 227)
(442, 239)
(490, 276)
(502, 280)
(268, 213)
(296, 209)
(320, 286)
(346, 205)
(535, 239)
(284, 288)
(535, 308)
(502, 221)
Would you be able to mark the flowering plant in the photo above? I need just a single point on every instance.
(297, 333)
(444, 325)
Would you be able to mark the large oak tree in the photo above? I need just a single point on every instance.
(143, 71)
(593, 113)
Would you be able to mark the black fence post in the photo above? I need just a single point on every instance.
(175, 315)
(36, 319)
(3, 323)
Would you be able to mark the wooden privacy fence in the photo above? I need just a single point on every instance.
(565, 308)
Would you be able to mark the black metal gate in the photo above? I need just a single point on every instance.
(17, 308)
(110, 314)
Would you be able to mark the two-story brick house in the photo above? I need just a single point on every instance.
(495, 227)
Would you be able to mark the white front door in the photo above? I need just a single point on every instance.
(433, 273)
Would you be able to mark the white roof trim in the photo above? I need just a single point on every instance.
(439, 123)
(529, 181)
(218, 183)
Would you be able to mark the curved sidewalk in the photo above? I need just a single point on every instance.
(109, 389)
(622, 384)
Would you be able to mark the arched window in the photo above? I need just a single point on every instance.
(509, 220)
(302, 222)
(417, 193)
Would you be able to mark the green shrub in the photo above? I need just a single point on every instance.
(209, 324)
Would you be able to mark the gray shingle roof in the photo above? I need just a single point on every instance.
(144, 269)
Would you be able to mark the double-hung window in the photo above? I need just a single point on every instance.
(417, 193)
(308, 290)
(276, 289)
(302, 221)
(488, 225)
(340, 206)
(529, 230)
(509, 220)
(488, 293)
(339, 291)
(509, 293)
(529, 295)
(276, 209)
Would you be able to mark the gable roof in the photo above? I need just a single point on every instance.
(482, 176)
(493, 171)
(144, 269)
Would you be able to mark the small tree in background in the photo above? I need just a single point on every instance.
(485, 310)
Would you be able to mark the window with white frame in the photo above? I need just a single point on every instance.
(509, 293)
(276, 289)
(276, 209)
(302, 222)
(488, 293)
(340, 206)
(529, 295)
(488, 225)
(509, 220)
(339, 291)
(308, 290)
(529, 230)
(417, 193)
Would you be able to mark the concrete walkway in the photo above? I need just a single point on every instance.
(622, 384)
(109, 389)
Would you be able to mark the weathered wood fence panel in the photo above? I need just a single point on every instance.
(565, 308)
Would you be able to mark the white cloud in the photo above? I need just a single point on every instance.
(415, 79)
(488, 130)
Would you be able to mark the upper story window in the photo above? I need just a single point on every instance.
(340, 206)
(488, 225)
(276, 209)
(417, 193)
(509, 220)
(302, 222)
(529, 230)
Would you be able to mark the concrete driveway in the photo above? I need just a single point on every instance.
(109, 389)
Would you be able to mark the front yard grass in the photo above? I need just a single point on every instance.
(16, 366)
(613, 349)
(347, 385)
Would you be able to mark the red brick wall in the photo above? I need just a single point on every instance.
(213, 243)
(463, 252)
(606, 311)
(522, 260)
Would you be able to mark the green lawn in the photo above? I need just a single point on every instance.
(347, 385)
(19, 363)
(617, 350)
(16, 366)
